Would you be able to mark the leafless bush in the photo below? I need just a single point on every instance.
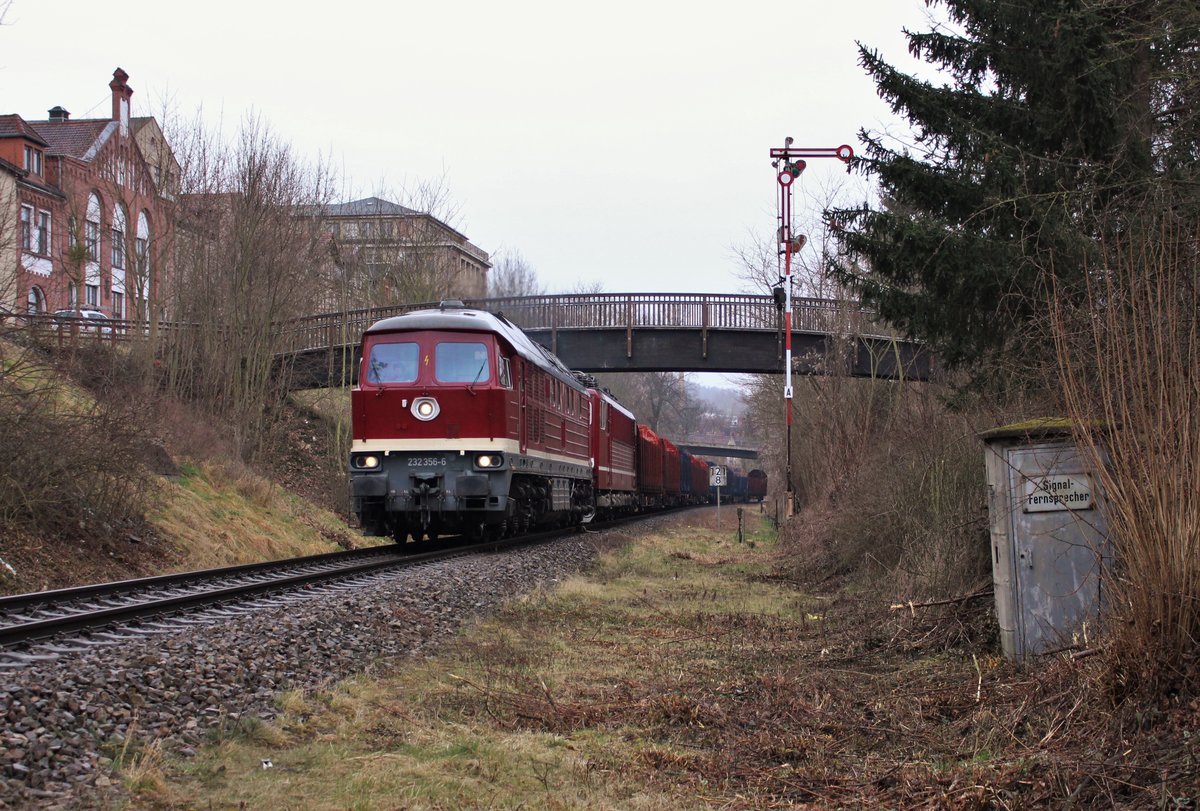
(1127, 344)
(70, 468)
(890, 485)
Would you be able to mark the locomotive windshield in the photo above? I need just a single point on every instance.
(393, 363)
(461, 363)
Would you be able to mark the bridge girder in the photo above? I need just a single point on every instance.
(678, 350)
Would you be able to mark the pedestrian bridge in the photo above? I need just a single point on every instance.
(648, 332)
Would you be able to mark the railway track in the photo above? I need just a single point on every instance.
(165, 603)
(41, 625)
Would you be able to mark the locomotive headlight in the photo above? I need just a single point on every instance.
(489, 460)
(425, 408)
(367, 461)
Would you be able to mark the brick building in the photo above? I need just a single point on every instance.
(86, 209)
(393, 254)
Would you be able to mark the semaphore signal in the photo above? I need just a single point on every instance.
(789, 164)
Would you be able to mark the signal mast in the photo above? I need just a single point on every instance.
(789, 163)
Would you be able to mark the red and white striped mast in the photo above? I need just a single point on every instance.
(789, 163)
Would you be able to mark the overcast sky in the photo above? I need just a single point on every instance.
(622, 143)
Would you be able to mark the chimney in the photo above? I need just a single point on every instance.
(121, 93)
(59, 114)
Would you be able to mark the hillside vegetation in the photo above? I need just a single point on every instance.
(106, 477)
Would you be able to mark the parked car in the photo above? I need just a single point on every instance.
(85, 320)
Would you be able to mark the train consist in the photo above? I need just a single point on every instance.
(463, 425)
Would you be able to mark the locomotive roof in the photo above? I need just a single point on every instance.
(461, 319)
(612, 401)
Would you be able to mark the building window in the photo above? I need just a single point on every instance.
(118, 248)
(27, 228)
(118, 305)
(43, 233)
(91, 229)
(118, 237)
(33, 160)
(72, 295)
(349, 230)
(139, 252)
(367, 230)
(91, 295)
(91, 238)
(36, 302)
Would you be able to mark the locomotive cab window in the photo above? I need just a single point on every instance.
(505, 374)
(462, 363)
(392, 363)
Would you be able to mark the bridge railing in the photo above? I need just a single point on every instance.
(627, 311)
(702, 311)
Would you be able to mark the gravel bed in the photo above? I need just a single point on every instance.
(64, 718)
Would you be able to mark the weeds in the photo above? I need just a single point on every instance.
(682, 673)
(1126, 345)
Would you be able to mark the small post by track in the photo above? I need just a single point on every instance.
(717, 476)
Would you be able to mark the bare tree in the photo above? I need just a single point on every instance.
(513, 276)
(249, 236)
(662, 400)
(584, 288)
(9, 240)
(760, 259)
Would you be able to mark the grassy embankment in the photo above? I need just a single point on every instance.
(106, 483)
(681, 672)
(217, 517)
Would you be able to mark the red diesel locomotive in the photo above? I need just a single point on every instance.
(462, 424)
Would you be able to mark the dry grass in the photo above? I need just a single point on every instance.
(221, 516)
(685, 671)
(1127, 346)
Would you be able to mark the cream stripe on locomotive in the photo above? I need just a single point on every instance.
(627, 472)
(462, 446)
(471, 445)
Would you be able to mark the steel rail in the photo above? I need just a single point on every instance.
(293, 573)
(300, 573)
(12, 602)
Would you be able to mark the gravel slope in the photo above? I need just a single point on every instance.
(59, 710)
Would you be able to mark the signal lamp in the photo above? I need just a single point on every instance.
(489, 460)
(366, 462)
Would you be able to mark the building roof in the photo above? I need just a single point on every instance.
(77, 139)
(368, 207)
(13, 126)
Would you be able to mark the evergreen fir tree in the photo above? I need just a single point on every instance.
(1053, 114)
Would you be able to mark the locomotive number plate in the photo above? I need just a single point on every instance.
(427, 461)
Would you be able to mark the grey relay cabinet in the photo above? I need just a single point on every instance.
(1050, 548)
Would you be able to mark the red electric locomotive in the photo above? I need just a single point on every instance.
(614, 446)
(462, 424)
